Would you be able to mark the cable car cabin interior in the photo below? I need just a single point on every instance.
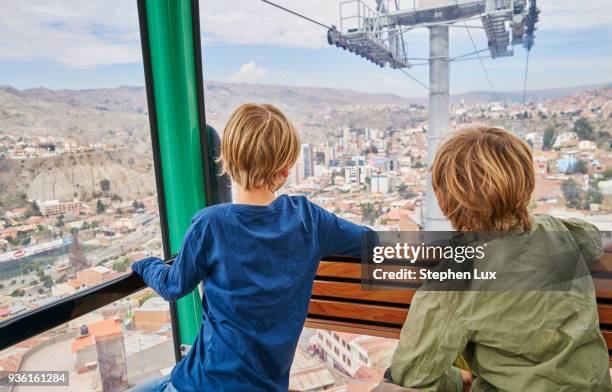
(184, 151)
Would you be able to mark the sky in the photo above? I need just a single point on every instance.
(92, 44)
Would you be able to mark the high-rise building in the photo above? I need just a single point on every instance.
(330, 154)
(380, 184)
(307, 160)
(346, 136)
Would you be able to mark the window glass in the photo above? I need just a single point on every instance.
(78, 200)
(364, 128)
(355, 362)
(123, 344)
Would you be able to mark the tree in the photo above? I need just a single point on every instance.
(549, 138)
(74, 231)
(405, 192)
(121, 266)
(61, 279)
(580, 167)
(76, 256)
(100, 207)
(105, 185)
(369, 213)
(583, 129)
(571, 192)
(17, 293)
(35, 208)
(47, 281)
(592, 196)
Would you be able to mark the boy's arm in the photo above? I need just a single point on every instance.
(338, 236)
(430, 341)
(172, 282)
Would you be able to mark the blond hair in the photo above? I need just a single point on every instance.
(483, 179)
(257, 144)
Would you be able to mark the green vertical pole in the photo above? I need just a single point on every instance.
(175, 90)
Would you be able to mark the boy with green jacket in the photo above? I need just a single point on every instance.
(526, 340)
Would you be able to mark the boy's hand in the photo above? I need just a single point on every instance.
(467, 379)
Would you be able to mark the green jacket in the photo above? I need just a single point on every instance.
(520, 340)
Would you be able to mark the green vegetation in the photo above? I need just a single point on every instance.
(100, 207)
(583, 129)
(17, 293)
(33, 210)
(580, 167)
(121, 266)
(405, 192)
(592, 196)
(105, 185)
(571, 192)
(369, 212)
(573, 195)
(550, 135)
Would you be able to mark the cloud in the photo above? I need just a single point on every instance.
(252, 22)
(249, 73)
(87, 34)
(77, 34)
(574, 15)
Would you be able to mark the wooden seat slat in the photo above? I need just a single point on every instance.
(354, 291)
(605, 313)
(362, 312)
(354, 327)
(339, 302)
(337, 269)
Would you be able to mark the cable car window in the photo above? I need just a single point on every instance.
(354, 78)
(78, 199)
(364, 128)
(113, 348)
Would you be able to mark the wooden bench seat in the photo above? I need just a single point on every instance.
(339, 302)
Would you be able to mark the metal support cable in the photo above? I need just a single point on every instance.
(525, 81)
(484, 69)
(297, 14)
(415, 79)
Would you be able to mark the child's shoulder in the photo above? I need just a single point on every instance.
(551, 223)
(302, 203)
(209, 214)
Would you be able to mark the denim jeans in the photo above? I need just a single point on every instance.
(163, 384)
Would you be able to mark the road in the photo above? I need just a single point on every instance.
(58, 357)
(136, 240)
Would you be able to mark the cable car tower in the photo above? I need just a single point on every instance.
(378, 36)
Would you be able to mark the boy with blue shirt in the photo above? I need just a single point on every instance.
(258, 260)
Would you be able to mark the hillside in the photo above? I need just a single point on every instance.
(79, 175)
(119, 116)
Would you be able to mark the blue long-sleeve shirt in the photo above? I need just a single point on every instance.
(258, 264)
